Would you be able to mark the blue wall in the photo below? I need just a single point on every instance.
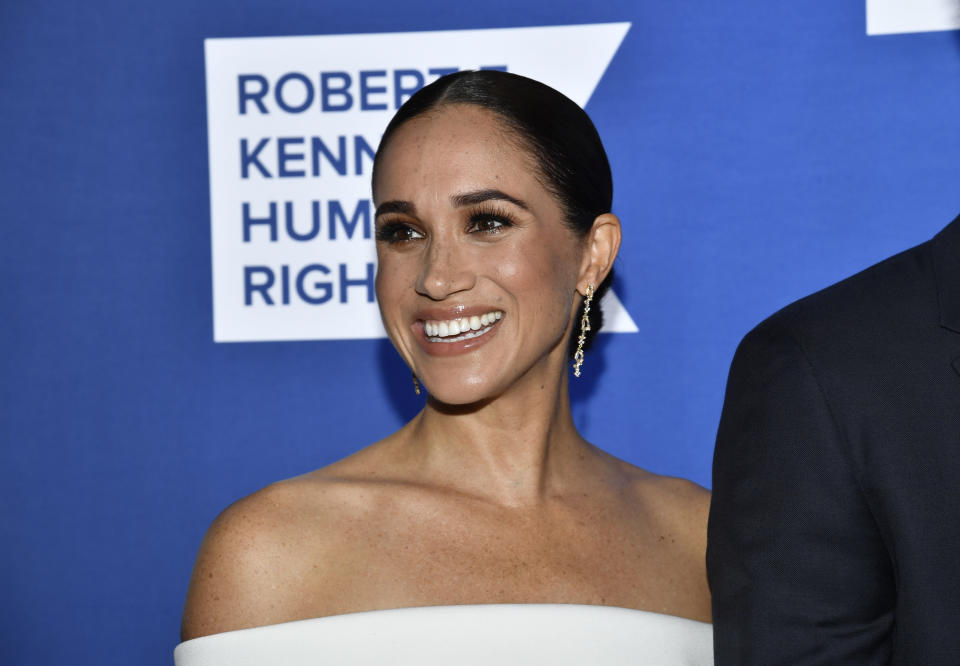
(761, 151)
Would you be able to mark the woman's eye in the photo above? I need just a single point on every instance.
(488, 224)
(397, 232)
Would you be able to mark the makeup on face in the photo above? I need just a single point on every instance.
(452, 331)
(476, 266)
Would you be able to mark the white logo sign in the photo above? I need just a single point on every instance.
(887, 17)
(293, 126)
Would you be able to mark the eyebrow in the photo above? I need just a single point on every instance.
(474, 198)
(404, 207)
(458, 200)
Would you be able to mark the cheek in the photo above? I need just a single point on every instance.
(389, 284)
(544, 274)
(380, 282)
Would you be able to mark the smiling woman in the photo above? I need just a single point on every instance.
(494, 231)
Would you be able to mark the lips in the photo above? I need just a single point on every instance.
(449, 330)
(441, 334)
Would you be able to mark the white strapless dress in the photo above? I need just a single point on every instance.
(538, 634)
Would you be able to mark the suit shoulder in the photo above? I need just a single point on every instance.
(898, 291)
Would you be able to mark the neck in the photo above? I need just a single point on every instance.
(514, 449)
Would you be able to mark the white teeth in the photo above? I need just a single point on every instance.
(453, 330)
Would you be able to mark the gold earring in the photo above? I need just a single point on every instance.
(416, 383)
(584, 328)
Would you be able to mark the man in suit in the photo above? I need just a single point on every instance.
(834, 533)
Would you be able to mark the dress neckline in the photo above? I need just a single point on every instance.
(464, 609)
(466, 635)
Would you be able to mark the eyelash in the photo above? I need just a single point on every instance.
(390, 232)
(492, 214)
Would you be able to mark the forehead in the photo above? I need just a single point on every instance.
(457, 147)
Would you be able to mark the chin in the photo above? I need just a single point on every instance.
(460, 392)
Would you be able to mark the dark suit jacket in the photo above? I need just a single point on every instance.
(834, 533)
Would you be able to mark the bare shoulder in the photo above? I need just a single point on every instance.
(258, 552)
(679, 498)
(676, 510)
(679, 505)
(233, 585)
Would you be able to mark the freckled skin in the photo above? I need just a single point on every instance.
(466, 150)
(489, 495)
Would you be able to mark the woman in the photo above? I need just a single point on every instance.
(495, 241)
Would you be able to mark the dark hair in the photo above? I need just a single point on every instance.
(558, 133)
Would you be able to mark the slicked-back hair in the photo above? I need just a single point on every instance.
(558, 134)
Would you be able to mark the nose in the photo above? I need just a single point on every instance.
(446, 270)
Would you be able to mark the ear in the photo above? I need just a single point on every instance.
(602, 245)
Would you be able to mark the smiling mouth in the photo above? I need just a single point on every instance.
(465, 328)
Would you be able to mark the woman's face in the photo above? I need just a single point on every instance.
(477, 270)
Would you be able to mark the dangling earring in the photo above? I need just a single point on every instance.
(416, 383)
(584, 328)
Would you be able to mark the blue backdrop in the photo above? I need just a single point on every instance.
(760, 150)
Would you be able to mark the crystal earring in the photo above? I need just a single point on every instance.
(416, 383)
(584, 328)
